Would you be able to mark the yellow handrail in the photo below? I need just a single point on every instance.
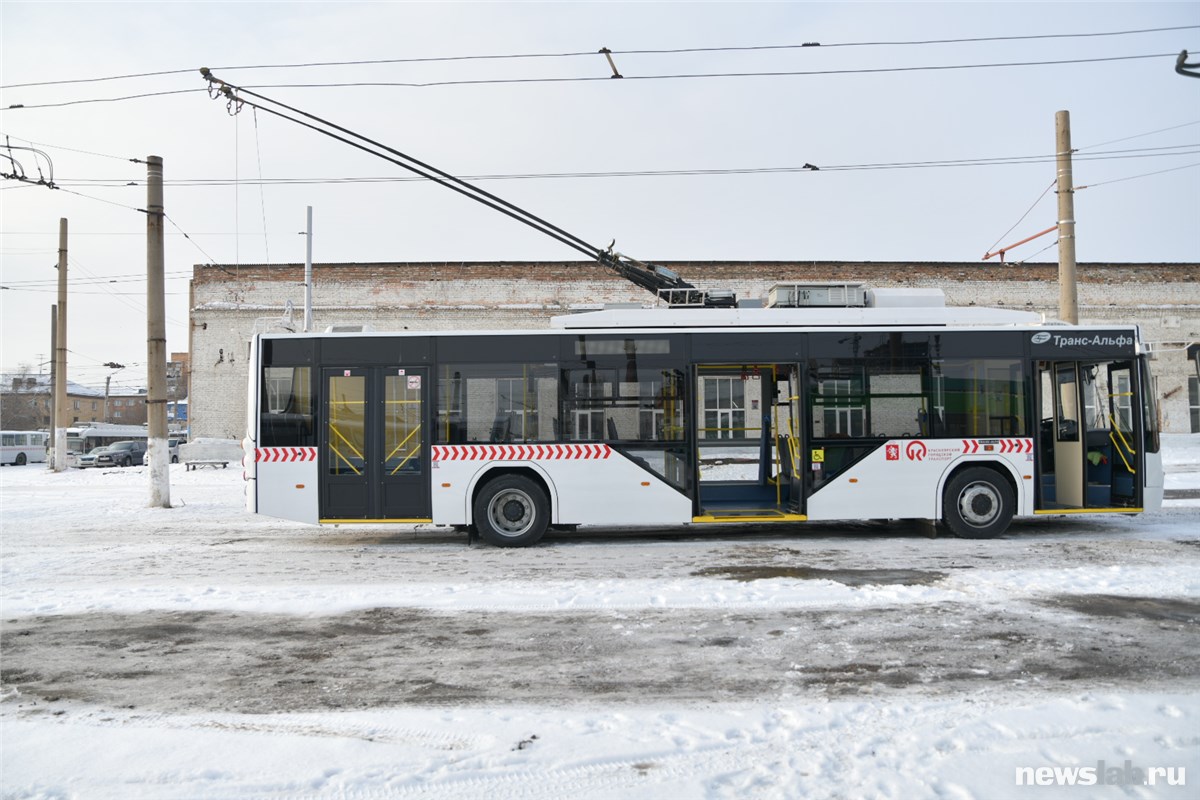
(338, 453)
(1115, 429)
(411, 434)
(407, 456)
(333, 429)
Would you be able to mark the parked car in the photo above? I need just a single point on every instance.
(172, 448)
(122, 454)
(89, 459)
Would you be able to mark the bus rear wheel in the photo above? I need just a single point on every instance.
(512, 511)
(978, 504)
(20, 462)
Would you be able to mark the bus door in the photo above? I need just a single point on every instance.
(374, 453)
(1088, 456)
(793, 450)
(748, 455)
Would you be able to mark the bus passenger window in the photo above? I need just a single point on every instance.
(496, 403)
(978, 397)
(287, 412)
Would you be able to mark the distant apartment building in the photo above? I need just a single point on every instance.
(25, 402)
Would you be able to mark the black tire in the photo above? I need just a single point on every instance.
(978, 504)
(20, 462)
(126, 461)
(174, 459)
(512, 511)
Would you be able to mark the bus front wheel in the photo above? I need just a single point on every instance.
(20, 459)
(978, 504)
(512, 511)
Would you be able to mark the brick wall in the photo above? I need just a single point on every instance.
(229, 303)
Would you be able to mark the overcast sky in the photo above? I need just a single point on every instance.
(870, 107)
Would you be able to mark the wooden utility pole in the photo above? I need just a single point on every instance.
(1068, 297)
(156, 338)
(62, 414)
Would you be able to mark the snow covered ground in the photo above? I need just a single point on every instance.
(201, 652)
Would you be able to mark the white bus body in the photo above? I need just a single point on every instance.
(23, 447)
(969, 417)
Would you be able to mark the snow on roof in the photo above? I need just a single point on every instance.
(40, 384)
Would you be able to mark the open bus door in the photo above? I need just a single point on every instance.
(374, 453)
(750, 465)
(793, 450)
(1088, 459)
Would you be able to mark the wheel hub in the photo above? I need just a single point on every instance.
(513, 511)
(979, 504)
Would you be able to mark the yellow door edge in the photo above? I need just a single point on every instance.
(371, 521)
(709, 518)
(1089, 511)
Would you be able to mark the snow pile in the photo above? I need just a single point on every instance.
(80, 548)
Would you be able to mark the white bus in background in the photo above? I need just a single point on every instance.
(23, 447)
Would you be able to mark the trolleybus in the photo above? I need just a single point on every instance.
(85, 438)
(695, 417)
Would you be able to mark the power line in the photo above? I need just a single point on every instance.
(72, 149)
(22, 106)
(1140, 135)
(1023, 216)
(211, 260)
(592, 78)
(99, 199)
(593, 53)
(1104, 155)
(1132, 177)
(52, 290)
(1031, 255)
(897, 43)
(93, 281)
(119, 297)
(706, 75)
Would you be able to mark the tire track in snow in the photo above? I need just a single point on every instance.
(308, 726)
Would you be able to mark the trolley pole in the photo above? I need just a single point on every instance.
(62, 414)
(1068, 297)
(156, 339)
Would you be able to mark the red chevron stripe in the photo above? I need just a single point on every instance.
(282, 455)
(547, 452)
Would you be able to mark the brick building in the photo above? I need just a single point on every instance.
(229, 303)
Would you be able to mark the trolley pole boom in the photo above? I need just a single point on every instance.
(660, 281)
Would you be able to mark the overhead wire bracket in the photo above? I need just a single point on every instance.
(608, 54)
(1005, 249)
(1182, 67)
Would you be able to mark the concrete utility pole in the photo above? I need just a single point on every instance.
(53, 382)
(156, 338)
(308, 274)
(107, 381)
(62, 414)
(1068, 297)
